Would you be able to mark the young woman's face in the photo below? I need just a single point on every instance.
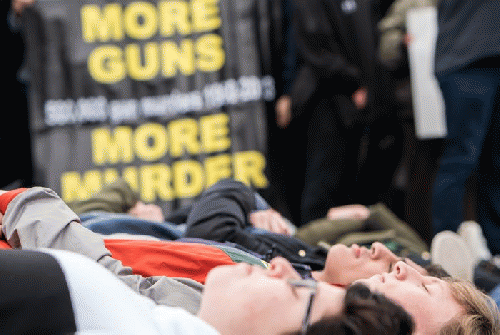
(244, 299)
(344, 265)
(428, 299)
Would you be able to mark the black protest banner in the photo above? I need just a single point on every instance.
(170, 95)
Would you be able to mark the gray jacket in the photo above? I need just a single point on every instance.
(38, 218)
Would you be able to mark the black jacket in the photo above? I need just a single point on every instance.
(221, 214)
(35, 298)
(336, 42)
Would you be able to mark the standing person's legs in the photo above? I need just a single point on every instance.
(488, 194)
(330, 162)
(379, 164)
(469, 95)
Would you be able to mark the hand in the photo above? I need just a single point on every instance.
(283, 110)
(270, 220)
(360, 98)
(356, 212)
(19, 5)
(149, 212)
(408, 39)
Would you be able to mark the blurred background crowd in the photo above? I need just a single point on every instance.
(341, 130)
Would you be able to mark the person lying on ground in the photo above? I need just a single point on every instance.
(343, 224)
(239, 212)
(221, 214)
(86, 298)
(39, 218)
(36, 211)
(438, 306)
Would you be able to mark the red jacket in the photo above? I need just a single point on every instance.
(154, 258)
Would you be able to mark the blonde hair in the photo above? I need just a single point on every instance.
(481, 314)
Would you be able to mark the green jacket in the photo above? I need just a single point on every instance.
(393, 27)
(382, 225)
(116, 197)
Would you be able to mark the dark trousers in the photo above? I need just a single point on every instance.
(346, 162)
(331, 160)
(472, 144)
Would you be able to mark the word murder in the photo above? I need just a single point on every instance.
(213, 96)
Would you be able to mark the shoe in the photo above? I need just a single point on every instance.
(449, 250)
(496, 260)
(472, 234)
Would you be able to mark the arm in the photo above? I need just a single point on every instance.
(221, 214)
(38, 218)
(272, 221)
(5, 198)
(392, 29)
(116, 197)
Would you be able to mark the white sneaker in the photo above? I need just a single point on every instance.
(472, 234)
(449, 250)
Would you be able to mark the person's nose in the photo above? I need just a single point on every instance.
(380, 251)
(280, 268)
(403, 271)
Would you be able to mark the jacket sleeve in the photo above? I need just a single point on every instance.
(117, 197)
(221, 214)
(38, 218)
(392, 28)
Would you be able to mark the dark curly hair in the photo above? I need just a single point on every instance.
(365, 313)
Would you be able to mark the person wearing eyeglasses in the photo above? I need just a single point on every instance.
(256, 303)
(79, 296)
(231, 213)
(37, 218)
(38, 208)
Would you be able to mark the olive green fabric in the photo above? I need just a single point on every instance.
(116, 197)
(392, 28)
(382, 225)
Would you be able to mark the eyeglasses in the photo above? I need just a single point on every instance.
(312, 285)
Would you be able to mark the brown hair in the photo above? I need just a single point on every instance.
(365, 313)
(481, 314)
